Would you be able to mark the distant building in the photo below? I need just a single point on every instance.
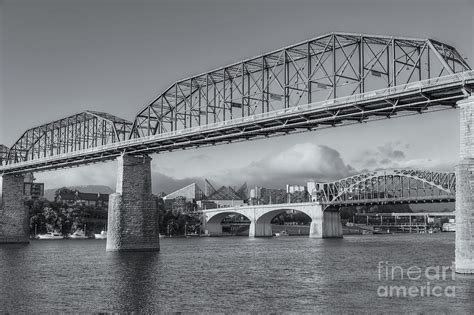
(31, 189)
(226, 197)
(292, 194)
(314, 190)
(3, 154)
(290, 189)
(75, 197)
(209, 198)
(191, 193)
(266, 196)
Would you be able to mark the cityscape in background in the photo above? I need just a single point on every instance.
(85, 208)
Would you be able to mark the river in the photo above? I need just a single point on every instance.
(230, 274)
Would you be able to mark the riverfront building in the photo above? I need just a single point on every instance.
(75, 197)
(31, 189)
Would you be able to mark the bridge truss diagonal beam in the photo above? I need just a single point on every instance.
(327, 67)
(88, 129)
(333, 80)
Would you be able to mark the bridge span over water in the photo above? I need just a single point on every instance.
(328, 81)
(332, 80)
(325, 199)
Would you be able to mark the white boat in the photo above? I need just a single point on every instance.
(79, 234)
(50, 236)
(282, 233)
(449, 227)
(101, 236)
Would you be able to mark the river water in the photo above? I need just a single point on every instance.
(230, 274)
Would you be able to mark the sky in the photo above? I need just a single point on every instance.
(58, 58)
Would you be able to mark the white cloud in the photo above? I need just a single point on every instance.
(293, 165)
(392, 156)
(97, 174)
(297, 164)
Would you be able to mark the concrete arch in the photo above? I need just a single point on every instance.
(263, 226)
(213, 220)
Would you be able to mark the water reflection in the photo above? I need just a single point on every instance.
(14, 273)
(136, 276)
(235, 274)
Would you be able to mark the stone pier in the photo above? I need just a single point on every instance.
(465, 190)
(14, 216)
(133, 210)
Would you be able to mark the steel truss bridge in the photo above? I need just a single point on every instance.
(388, 187)
(332, 80)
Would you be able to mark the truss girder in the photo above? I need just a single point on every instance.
(82, 131)
(329, 66)
(414, 98)
(333, 80)
(394, 186)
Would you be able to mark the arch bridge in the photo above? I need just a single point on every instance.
(378, 187)
(324, 224)
(388, 186)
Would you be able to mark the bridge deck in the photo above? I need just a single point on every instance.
(387, 201)
(419, 97)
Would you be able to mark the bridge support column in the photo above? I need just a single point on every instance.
(260, 229)
(325, 224)
(332, 226)
(133, 212)
(14, 216)
(465, 191)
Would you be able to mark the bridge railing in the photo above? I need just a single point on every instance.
(327, 105)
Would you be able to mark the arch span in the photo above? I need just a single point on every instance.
(393, 185)
(263, 224)
(324, 223)
(213, 220)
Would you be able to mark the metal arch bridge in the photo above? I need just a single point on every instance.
(388, 187)
(332, 80)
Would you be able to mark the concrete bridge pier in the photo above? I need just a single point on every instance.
(260, 229)
(14, 216)
(325, 223)
(133, 210)
(465, 191)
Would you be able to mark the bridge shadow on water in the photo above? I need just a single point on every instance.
(136, 278)
(14, 273)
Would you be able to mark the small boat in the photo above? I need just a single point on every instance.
(449, 227)
(79, 234)
(282, 233)
(379, 231)
(50, 236)
(101, 236)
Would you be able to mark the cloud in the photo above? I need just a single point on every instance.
(295, 165)
(97, 174)
(105, 174)
(392, 156)
(168, 184)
